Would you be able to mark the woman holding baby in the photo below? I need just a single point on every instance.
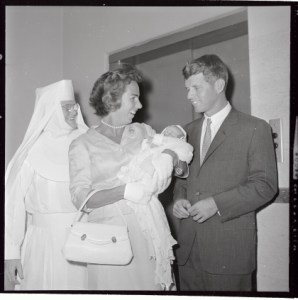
(97, 159)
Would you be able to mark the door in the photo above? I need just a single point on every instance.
(163, 94)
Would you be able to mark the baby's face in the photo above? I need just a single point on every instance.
(173, 131)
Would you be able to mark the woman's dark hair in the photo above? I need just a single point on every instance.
(109, 88)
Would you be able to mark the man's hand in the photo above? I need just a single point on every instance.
(203, 210)
(12, 268)
(181, 208)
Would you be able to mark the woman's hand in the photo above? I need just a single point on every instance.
(13, 267)
(180, 167)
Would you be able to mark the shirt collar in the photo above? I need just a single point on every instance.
(221, 115)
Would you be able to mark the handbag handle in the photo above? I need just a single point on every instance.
(80, 212)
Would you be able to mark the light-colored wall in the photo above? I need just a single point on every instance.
(91, 33)
(33, 59)
(269, 57)
(273, 248)
(47, 44)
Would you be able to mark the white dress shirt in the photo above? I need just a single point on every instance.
(216, 121)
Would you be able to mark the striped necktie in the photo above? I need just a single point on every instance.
(206, 141)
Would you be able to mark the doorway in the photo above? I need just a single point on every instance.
(161, 61)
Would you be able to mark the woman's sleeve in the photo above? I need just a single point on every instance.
(79, 172)
(81, 181)
(15, 212)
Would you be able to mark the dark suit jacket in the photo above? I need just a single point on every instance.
(239, 172)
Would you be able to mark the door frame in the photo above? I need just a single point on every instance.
(210, 32)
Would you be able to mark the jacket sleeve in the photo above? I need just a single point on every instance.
(261, 184)
(180, 189)
(15, 212)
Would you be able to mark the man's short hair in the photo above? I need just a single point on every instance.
(211, 66)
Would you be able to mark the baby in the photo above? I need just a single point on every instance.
(175, 131)
(154, 169)
(149, 159)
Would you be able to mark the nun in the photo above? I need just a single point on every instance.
(38, 207)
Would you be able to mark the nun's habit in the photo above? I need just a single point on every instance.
(38, 206)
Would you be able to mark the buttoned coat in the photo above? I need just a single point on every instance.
(239, 172)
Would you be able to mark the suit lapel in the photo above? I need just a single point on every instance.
(223, 132)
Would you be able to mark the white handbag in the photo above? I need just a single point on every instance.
(96, 243)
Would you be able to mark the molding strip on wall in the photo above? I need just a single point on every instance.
(202, 29)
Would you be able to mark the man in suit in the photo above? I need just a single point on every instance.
(232, 174)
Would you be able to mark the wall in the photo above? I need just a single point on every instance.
(47, 44)
(91, 33)
(33, 59)
(269, 55)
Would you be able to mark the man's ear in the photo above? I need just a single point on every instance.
(219, 85)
